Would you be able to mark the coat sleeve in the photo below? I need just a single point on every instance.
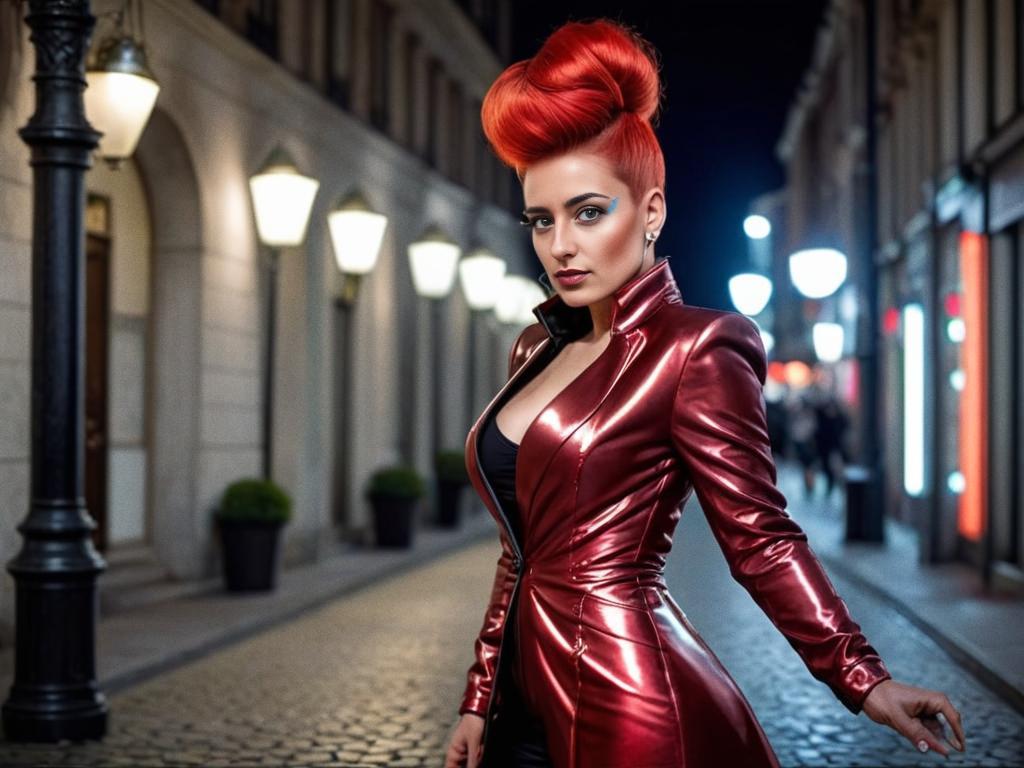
(480, 677)
(719, 429)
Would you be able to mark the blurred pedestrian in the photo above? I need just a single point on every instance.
(832, 423)
(803, 426)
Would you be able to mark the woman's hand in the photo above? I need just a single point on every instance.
(464, 746)
(913, 712)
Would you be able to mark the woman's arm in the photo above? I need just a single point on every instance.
(480, 677)
(719, 429)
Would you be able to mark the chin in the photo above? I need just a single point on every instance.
(575, 298)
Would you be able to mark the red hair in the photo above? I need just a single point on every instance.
(593, 85)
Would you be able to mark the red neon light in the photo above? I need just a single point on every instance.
(891, 321)
(952, 304)
(973, 507)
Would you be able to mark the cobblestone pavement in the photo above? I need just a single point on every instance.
(375, 678)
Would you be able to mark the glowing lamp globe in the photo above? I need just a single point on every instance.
(750, 292)
(357, 232)
(120, 96)
(817, 272)
(282, 199)
(433, 259)
(828, 341)
(481, 274)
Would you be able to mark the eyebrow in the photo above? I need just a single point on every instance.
(568, 203)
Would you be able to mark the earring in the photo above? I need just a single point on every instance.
(652, 236)
(542, 278)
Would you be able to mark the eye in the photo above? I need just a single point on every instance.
(531, 223)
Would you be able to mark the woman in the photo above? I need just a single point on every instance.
(620, 401)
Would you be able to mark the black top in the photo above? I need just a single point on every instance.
(498, 460)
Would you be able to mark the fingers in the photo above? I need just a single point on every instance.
(926, 731)
(952, 715)
(455, 756)
(919, 735)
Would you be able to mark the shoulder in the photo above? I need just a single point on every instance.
(527, 340)
(718, 336)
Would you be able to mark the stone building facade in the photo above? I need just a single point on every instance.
(949, 117)
(379, 95)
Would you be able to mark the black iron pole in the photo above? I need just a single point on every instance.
(55, 695)
(273, 257)
(438, 391)
(865, 512)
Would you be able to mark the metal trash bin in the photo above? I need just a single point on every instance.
(863, 507)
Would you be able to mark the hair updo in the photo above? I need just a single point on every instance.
(592, 83)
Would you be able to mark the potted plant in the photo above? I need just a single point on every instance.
(249, 518)
(452, 477)
(394, 493)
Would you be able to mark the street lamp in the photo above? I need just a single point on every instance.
(121, 94)
(828, 341)
(481, 274)
(282, 199)
(357, 232)
(750, 292)
(433, 259)
(757, 227)
(817, 272)
(515, 297)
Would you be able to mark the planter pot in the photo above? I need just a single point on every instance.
(393, 520)
(250, 554)
(449, 492)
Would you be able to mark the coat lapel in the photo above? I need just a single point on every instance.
(573, 406)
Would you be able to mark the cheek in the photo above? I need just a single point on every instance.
(617, 244)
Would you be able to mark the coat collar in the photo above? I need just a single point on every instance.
(632, 303)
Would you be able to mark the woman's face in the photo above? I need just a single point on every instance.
(583, 217)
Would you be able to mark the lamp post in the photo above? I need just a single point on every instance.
(433, 259)
(356, 235)
(282, 199)
(55, 695)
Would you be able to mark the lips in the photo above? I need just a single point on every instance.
(568, 272)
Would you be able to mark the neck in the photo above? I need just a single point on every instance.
(601, 310)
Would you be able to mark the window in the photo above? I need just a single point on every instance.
(380, 61)
(411, 45)
(339, 51)
(456, 128)
(434, 79)
(262, 27)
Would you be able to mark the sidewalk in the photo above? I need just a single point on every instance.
(946, 601)
(138, 644)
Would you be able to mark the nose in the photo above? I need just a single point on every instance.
(562, 242)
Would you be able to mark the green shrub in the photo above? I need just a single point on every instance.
(255, 499)
(398, 482)
(451, 465)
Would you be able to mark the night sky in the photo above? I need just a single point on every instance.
(730, 70)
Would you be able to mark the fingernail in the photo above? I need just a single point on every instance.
(957, 744)
(922, 746)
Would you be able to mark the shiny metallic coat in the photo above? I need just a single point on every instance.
(619, 676)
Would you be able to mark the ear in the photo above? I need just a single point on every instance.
(652, 206)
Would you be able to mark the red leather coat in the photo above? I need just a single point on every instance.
(610, 662)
